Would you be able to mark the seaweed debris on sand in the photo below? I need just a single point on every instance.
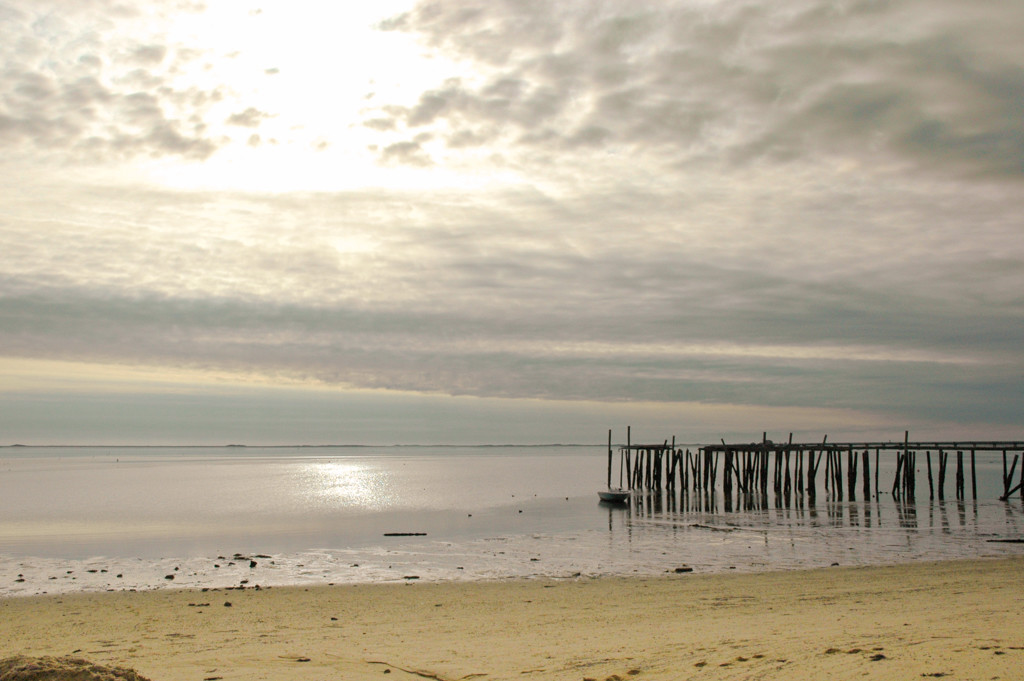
(22, 668)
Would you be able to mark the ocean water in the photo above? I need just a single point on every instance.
(95, 518)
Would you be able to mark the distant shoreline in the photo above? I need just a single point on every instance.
(316, 446)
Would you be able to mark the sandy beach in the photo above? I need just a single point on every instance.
(959, 620)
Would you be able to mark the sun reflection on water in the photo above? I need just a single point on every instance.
(349, 485)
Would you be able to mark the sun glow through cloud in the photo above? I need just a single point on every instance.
(306, 77)
(789, 213)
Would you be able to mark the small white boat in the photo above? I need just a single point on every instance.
(614, 495)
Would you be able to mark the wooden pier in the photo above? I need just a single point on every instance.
(745, 473)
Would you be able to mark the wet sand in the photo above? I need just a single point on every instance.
(957, 619)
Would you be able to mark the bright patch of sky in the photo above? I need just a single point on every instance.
(806, 211)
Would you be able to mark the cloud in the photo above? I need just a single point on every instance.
(922, 86)
(462, 296)
(493, 353)
(250, 118)
(801, 205)
(149, 55)
(60, 96)
(406, 153)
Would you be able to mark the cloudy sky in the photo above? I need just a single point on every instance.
(510, 221)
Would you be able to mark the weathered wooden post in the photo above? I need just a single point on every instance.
(672, 466)
(974, 478)
(943, 455)
(695, 471)
(685, 464)
(912, 477)
(867, 475)
(906, 459)
(851, 468)
(648, 464)
(878, 489)
(959, 474)
(677, 458)
(812, 471)
(727, 477)
(828, 472)
(931, 488)
(800, 471)
(899, 471)
(839, 474)
(706, 472)
(788, 483)
(1008, 480)
(1006, 487)
(714, 473)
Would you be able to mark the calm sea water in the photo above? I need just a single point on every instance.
(74, 519)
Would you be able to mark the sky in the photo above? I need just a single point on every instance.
(513, 221)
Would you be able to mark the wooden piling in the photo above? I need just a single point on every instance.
(851, 477)
(877, 488)
(942, 474)
(828, 471)
(899, 470)
(931, 487)
(959, 474)
(685, 465)
(974, 478)
(867, 475)
(1009, 478)
(799, 471)
(672, 461)
(767, 473)
(1006, 487)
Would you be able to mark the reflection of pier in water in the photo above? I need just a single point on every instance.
(682, 532)
(671, 507)
(761, 475)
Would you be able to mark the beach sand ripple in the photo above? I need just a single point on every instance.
(949, 619)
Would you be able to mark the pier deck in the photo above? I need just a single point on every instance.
(792, 469)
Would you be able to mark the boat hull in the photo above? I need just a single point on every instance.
(616, 496)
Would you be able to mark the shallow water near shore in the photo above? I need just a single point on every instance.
(88, 519)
